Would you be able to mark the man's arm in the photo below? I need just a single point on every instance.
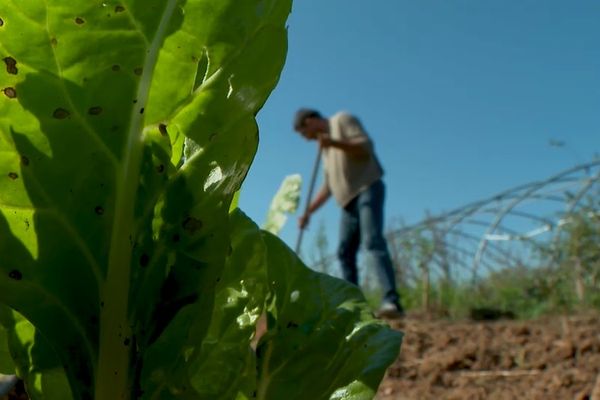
(320, 199)
(354, 141)
(356, 146)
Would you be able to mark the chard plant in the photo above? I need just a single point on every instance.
(284, 202)
(127, 273)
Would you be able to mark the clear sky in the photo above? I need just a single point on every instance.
(461, 97)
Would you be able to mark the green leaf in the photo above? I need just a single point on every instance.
(107, 239)
(216, 361)
(317, 320)
(125, 271)
(35, 360)
(284, 202)
(7, 366)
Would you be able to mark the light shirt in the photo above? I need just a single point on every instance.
(347, 175)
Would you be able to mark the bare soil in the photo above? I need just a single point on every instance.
(550, 358)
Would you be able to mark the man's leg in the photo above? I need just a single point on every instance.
(349, 242)
(370, 204)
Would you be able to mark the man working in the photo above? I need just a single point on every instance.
(353, 175)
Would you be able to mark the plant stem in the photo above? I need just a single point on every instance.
(113, 380)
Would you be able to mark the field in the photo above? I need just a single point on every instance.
(548, 358)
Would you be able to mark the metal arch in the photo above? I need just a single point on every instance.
(492, 246)
(578, 197)
(555, 189)
(532, 188)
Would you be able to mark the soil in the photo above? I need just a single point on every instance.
(549, 358)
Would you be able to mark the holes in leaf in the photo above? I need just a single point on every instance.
(99, 210)
(11, 65)
(10, 92)
(201, 69)
(1, 22)
(13, 175)
(191, 225)
(142, 110)
(119, 9)
(79, 21)
(97, 110)
(162, 128)
(15, 274)
(61, 113)
(126, 342)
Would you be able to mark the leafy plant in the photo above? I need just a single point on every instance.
(284, 202)
(124, 272)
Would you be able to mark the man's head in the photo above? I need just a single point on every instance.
(310, 123)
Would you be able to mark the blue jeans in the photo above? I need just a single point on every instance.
(362, 219)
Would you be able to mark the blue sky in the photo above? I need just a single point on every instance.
(461, 97)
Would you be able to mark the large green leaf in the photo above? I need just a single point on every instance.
(323, 341)
(105, 238)
(123, 270)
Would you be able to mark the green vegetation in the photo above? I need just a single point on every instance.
(126, 270)
(564, 275)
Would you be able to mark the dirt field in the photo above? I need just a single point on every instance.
(551, 358)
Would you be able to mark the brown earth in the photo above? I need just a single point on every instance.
(550, 358)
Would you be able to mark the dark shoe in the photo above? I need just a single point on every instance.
(390, 311)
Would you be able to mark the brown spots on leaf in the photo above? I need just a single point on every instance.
(99, 210)
(116, 68)
(54, 42)
(144, 260)
(24, 161)
(10, 92)
(119, 9)
(191, 225)
(11, 65)
(97, 110)
(162, 128)
(61, 113)
(13, 175)
(1, 22)
(15, 274)
(138, 71)
(79, 21)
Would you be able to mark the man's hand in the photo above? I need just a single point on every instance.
(303, 221)
(325, 141)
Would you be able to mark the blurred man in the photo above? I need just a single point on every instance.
(353, 175)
